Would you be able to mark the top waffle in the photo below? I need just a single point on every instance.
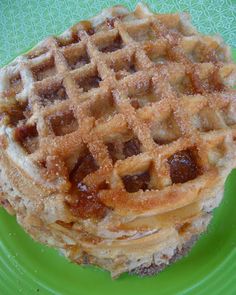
(130, 114)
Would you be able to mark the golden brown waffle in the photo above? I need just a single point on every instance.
(117, 137)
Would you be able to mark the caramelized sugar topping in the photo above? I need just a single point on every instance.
(25, 131)
(86, 203)
(134, 183)
(183, 167)
(131, 147)
(120, 151)
(84, 166)
(27, 135)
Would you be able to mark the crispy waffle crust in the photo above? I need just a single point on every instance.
(117, 136)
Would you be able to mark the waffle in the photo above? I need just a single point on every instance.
(117, 137)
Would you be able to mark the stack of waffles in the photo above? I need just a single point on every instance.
(117, 136)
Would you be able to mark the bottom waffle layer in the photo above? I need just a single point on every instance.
(149, 254)
(154, 269)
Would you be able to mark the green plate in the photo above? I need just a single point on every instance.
(27, 267)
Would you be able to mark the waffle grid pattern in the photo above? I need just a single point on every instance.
(125, 129)
(131, 92)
